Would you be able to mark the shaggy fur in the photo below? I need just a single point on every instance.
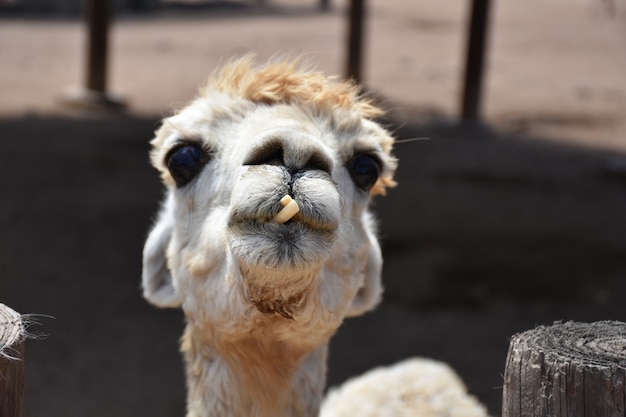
(413, 388)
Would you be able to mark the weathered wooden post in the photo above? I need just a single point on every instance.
(567, 370)
(356, 16)
(12, 335)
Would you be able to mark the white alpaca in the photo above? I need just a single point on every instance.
(262, 298)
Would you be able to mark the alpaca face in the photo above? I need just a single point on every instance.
(227, 162)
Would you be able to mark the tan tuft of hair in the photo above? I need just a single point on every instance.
(380, 188)
(283, 81)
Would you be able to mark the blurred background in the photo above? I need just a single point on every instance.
(511, 218)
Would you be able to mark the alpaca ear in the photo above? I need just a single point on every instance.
(156, 278)
(370, 294)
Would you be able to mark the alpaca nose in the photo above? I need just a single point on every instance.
(294, 150)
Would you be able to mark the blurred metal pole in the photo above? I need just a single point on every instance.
(98, 20)
(474, 62)
(324, 5)
(355, 40)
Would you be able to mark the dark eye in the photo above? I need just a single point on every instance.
(364, 170)
(184, 163)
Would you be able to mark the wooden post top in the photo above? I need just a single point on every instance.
(567, 370)
(600, 344)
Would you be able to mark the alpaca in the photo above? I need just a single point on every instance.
(263, 297)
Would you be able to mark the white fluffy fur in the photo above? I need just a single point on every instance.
(263, 299)
(412, 388)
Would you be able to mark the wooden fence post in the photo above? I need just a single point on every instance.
(12, 335)
(567, 370)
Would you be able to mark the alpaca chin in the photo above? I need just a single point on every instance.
(281, 293)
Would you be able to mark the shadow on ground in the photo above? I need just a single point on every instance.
(486, 236)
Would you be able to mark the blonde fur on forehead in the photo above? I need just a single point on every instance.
(282, 81)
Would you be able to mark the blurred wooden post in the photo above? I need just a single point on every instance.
(475, 60)
(355, 40)
(567, 370)
(94, 93)
(98, 20)
(12, 335)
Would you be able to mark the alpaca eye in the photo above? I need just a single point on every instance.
(184, 163)
(364, 170)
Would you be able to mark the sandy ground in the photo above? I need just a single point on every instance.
(493, 229)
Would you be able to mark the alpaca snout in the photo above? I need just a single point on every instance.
(259, 189)
(305, 239)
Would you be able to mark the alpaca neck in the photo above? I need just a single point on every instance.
(252, 377)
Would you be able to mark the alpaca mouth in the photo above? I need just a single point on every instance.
(304, 240)
(307, 218)
(298, 231)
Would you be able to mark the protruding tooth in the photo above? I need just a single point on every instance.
(290, 209)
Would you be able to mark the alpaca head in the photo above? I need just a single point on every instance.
(252, 136)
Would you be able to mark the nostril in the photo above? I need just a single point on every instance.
(319, 161)
(270, 153)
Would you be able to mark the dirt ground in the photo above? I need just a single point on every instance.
(494, 228)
